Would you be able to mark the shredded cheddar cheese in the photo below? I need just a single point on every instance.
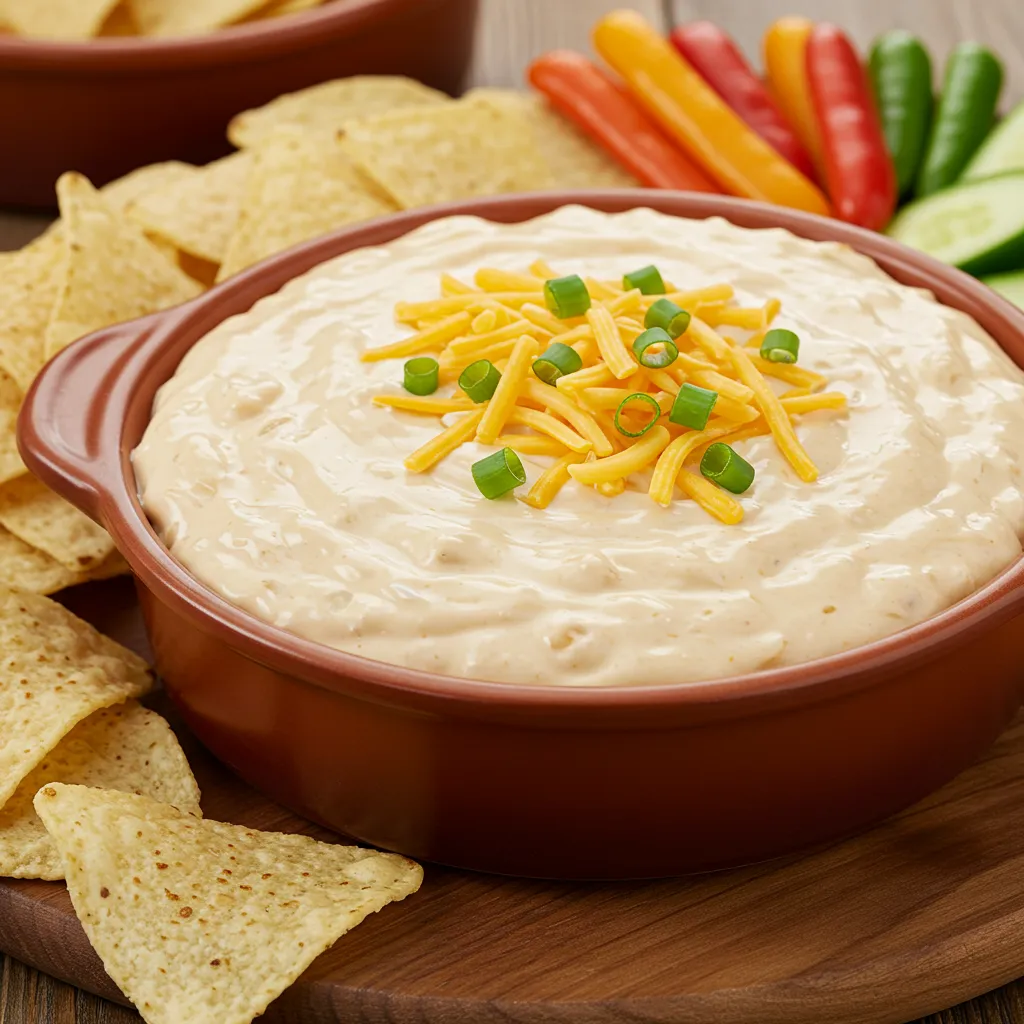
(502, 318)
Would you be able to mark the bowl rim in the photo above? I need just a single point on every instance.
(171, 584)
(242, 43)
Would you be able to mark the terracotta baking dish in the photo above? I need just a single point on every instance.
(107, 106)
(576, 783)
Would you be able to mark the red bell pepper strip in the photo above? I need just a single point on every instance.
(605, 111)
(722, 65)
(697, 118)
(858, 168)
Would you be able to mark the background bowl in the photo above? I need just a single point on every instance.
(105, 107)
(543, 781)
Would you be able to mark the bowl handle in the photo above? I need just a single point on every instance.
(65, 424)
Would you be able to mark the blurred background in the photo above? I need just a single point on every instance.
(512, 31)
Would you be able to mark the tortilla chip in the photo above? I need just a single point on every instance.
(465, 149)
(31, 511)
(204, 921)
(125, 191)
(126, 748)
(113, 272)
(197, 212)
(332, 105)
(30, 284)
(114, 565)
(574, 161)
(11, 465)
(23, 567)
(189, 17)
(302, 185)
(55, 671)
(56, 19)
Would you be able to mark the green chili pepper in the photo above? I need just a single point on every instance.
(901, 74)
(974, 78)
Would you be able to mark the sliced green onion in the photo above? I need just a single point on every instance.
(639, 396)
(567, 296)
(499, 473)
(668, 316)
(479, 380)
(655, 349)
(780, 346)
(556, 362)
(647, 279)
(727, 468)
(692, 407)
(420, 377)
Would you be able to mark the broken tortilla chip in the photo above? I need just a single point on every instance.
(189, 17)
(332, 105)
(30, 285)
(302, 185)
(204, 921)
(31, 511)
(196, 213)
(56, 19)
(113, 273)
(574, 161)
(442, 154)
(126, 748)
(55, 671)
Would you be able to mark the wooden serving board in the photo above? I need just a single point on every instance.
(920, 913)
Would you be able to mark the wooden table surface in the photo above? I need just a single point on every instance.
(510, 33)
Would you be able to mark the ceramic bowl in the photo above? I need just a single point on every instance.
(107, 106)
(532, 780)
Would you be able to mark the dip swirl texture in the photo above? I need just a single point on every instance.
(272, 477)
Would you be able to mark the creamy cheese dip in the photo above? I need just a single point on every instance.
(271, 476)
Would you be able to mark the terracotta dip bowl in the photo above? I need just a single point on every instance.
(106, 106)
(528, 780)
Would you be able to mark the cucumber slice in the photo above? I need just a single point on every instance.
(1010, 286)
(977, 226)
(1002, 151)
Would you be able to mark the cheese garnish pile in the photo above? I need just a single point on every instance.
(502, 318)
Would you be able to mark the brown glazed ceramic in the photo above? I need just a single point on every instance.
(106, 106)
(556, 782)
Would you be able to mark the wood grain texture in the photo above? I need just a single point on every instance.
(511, 33)
(913, 915)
